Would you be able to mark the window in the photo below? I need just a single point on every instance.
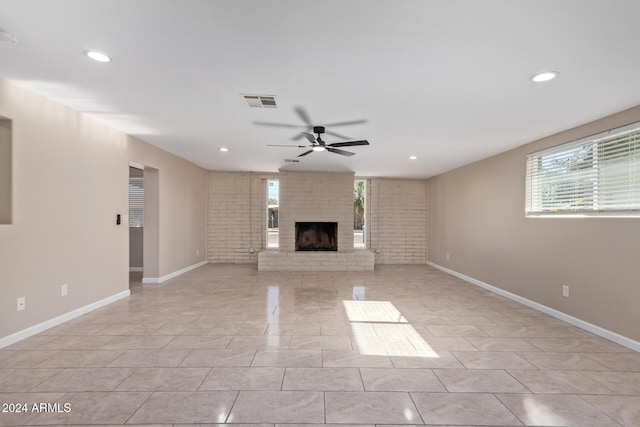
(359, 192)
(273, 205)
(599, 175)
(136, 198)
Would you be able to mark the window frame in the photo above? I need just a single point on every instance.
(267, 219)
(583, 163)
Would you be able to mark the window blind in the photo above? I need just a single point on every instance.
(592, 176)
(136, 201)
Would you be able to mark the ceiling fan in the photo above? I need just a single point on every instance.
(309, 126)
(317, 144)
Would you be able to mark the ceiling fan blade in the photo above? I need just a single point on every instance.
(303, 115)
(311, 138)
(281, 125)
(351, 122)
(328, 132)
(298, 137)
(305, 153)
(349, 143)
(283, 145)
(342, 152)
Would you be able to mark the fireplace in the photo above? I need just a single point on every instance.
(316, 236)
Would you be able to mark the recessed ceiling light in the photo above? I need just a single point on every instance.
(413, 157)
(97, 56)
(318, 148)
(545, 76)
(223, 149)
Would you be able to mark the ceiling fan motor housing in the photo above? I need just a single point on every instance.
(318, 129)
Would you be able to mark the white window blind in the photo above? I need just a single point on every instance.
(592, 176)
(136, 201)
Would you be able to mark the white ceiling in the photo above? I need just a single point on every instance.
(447, 80)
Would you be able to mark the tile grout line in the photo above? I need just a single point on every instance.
(226, 420)
(138, 408)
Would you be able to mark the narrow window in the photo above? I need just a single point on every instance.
(359, 205)
(273, 205)
(5, 171)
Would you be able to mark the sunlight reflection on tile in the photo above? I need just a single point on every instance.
(540, 414)
(273, 305)
(373, 311)
(358, 293)
(399, 336)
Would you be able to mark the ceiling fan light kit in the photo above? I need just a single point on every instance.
(317, 143)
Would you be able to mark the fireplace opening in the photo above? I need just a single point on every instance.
(316, 236)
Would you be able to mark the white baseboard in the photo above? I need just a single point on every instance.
(136, 269)
(48, 324)
(157, 280)
(594, 329)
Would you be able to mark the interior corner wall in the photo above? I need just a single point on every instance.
(397, 220)
(70, 179)
(477, 217)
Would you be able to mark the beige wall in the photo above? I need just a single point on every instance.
(5, 171)
(70, 180)
(136, 247)
(476, 215)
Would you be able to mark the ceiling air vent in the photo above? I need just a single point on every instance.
(259, 101)
(268, 101)
(291, 161)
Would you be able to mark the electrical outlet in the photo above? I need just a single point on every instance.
(197, 252)
(565, 291)
(21, 303)
(64, 290)
(448, 256)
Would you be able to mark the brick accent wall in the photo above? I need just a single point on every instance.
(316, 196)
(237, 216)
(396, 214)
(397, 218)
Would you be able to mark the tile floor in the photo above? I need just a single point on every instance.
(404, 345)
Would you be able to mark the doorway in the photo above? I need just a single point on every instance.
(144, 224)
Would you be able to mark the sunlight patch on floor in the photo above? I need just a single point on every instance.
(541, 414)
(395, 336)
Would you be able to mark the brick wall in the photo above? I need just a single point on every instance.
(396, 214)
(316, 197)
(397, 220)
(237, 216)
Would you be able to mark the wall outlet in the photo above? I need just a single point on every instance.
(64, 290)
(448, 256)
(251, 250)
(197, 252)
(21, 303)
(565, 291)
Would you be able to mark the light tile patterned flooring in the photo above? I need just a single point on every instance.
(402, 345)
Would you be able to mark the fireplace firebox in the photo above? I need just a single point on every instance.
(316, 236)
